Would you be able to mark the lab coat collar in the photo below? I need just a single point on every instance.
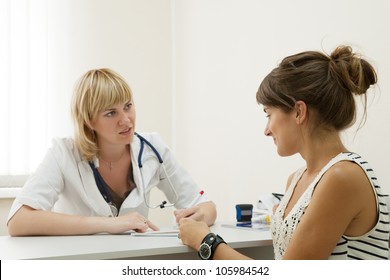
(94, 197)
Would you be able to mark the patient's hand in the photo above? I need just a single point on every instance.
(192, 232)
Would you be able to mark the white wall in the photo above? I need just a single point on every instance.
(199, 92)
(132, 37)
(224, 49)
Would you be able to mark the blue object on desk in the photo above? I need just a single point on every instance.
(244, 212)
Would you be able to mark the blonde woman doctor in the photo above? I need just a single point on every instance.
(100, 181)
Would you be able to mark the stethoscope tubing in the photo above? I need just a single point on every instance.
(143, 141)
(150, 145)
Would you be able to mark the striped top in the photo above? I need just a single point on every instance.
(372, 245)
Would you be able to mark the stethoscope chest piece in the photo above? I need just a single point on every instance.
(113, 208)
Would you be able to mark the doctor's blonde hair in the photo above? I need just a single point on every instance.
(95, 91)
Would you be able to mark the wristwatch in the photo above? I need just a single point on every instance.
(208, 246)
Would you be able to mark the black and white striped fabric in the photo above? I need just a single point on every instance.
(374, 244)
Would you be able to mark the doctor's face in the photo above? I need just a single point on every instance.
(282, 127)
(115, 125)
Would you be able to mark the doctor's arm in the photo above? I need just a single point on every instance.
(28, 221)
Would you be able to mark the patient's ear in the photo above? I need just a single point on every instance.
(301, 111)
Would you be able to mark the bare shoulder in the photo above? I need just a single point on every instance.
(346, 172)
(344, 191)
(347, 177)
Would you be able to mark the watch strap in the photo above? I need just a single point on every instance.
(218, 240)
(209, 238)
(212, 241)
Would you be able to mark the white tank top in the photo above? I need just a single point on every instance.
(372, 245)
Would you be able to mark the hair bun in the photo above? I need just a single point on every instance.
(354, 72)
(342, 52)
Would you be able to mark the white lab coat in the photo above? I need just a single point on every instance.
(65, 183)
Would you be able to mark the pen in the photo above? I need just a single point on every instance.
(196, 198)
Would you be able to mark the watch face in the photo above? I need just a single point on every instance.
(205, 251)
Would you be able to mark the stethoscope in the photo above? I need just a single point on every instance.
(164, 203)
(103, 187)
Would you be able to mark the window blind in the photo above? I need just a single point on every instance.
(23, 85)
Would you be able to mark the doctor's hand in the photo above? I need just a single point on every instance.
(205, 212)
(130, 221)
(192, 232)
(194, 213)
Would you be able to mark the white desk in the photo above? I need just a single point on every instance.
(256, 244)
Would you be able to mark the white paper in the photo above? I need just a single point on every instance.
(158, 233)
